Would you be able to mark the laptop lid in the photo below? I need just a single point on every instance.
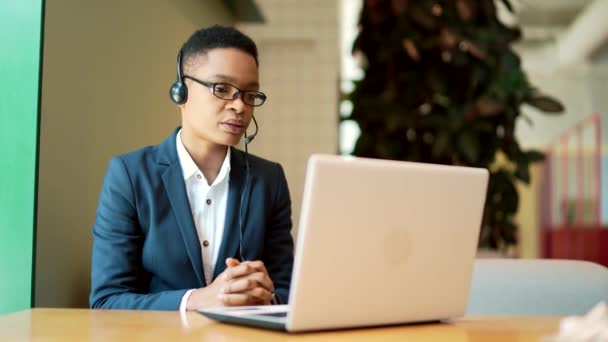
(384, 242)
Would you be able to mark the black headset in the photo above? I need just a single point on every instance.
(179, 91)
(179, 94)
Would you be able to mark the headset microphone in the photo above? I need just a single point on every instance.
(250, 138)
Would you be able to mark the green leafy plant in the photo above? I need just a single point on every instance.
(443, 85)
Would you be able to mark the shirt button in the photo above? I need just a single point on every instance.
(205, 243)
(198, 176)
(208, 202)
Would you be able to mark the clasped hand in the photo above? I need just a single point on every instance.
(242, 283)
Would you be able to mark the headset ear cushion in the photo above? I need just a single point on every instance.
(178, 92)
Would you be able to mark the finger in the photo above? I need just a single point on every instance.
(258, 265)
(243, 269)
(249, 282)
(232, 262)
(261, 295)
(235, 299)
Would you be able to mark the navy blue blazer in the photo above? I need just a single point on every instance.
(146, 251)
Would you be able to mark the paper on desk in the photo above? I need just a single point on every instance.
(592, 327)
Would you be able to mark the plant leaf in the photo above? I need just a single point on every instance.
(508, 5)
(441, 143)
(545, 103)
(469, 146)
(534, 156)
(522, 172)
(510, 196)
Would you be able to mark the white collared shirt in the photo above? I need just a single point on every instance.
(208, 206)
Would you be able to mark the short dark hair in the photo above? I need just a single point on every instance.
(214, 37)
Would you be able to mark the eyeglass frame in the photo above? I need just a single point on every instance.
(211, 86)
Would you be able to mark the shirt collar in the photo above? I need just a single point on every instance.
(189, 167)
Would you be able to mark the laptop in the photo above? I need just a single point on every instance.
(379, 243)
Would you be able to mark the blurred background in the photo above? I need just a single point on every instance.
(515, 86)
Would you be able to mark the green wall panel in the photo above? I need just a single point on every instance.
(20, 46)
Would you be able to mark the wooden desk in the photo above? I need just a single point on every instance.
(95, 325)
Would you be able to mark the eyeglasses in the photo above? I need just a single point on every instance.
(227, 91)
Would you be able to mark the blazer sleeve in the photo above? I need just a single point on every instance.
(117, 278)
(278, 247)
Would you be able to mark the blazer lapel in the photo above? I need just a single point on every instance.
(173, 180)
(232, 234)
